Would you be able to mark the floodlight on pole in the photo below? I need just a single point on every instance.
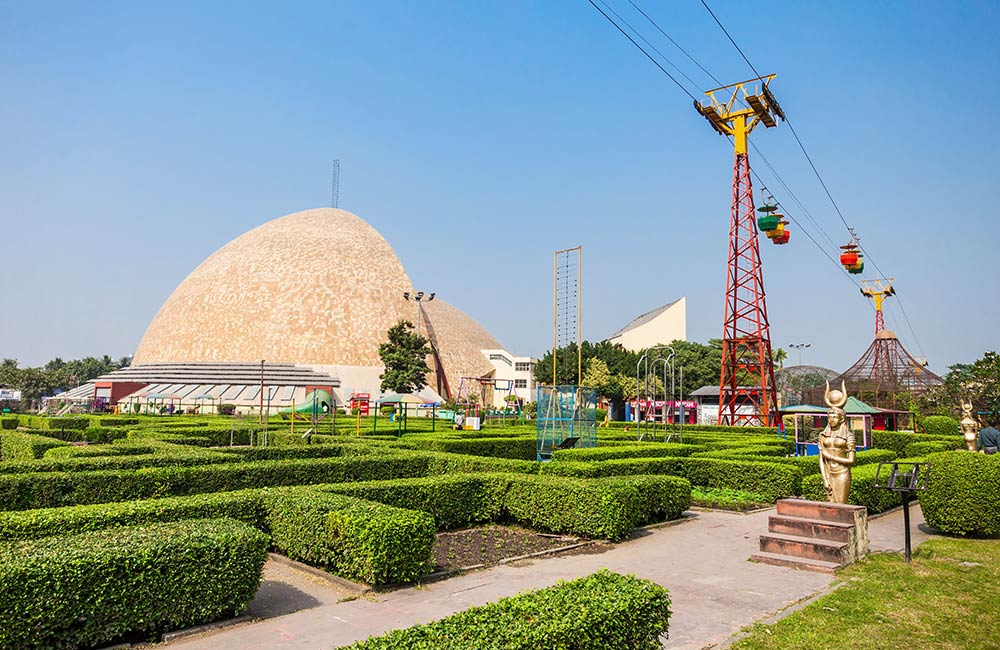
(418, 297)
(800, 347)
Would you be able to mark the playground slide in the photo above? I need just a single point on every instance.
(319, 399)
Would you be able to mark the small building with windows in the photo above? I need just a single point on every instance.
(507, 367)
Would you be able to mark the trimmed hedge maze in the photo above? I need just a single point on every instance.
(364, 507)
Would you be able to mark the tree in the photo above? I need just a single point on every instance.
(405, 358)
(779, 357)
(979, 382)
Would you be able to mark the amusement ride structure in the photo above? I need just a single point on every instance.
(747, 393)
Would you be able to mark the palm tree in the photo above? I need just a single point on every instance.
(779, 357)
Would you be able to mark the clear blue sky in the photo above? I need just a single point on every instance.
(477, 137)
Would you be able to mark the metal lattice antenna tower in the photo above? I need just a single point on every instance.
(335, 193)
(747, 373)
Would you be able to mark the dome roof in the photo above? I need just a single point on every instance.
(314, 287)
(459, 341)
(318, 287)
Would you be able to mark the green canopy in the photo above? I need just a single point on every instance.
(854, 406)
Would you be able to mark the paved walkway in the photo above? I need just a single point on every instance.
(703, 562)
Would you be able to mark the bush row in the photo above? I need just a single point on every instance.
(520, 448)
(91, 589)
(898, 440)
(125, 462)
(8, 423)
(365, 541)
(607, 508)
(941, 425)
(963, 494)
(360, 540)
(640, 450)
(15, 445)
(52, 489)
(931, 446)
(773, 480)
(603, 611)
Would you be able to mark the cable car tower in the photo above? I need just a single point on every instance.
(747, 376)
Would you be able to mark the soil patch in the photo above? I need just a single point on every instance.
(488, 545)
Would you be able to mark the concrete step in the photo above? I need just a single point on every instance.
(778, 559)
(804, 547)
(837, 512)
(831, 531)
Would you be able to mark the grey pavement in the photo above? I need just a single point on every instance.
(702, 561)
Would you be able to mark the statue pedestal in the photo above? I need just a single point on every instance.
(814, 535)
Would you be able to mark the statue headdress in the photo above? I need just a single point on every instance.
(836, 398)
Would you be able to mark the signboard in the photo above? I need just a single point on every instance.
(9, 394)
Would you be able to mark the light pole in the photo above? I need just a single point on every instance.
(799, 347)
(418, 297)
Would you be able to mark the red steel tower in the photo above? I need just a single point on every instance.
(747, 392)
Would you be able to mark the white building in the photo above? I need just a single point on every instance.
(507, 367)
(661, 326)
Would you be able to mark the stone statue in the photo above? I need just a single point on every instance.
(969, 426)
(836, 447)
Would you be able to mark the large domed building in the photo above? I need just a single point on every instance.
(310, 292)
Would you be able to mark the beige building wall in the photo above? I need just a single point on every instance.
(660, 326)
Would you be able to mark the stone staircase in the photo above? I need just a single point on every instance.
(814, 535)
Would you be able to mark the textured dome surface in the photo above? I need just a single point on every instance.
(460, 342)
(314, 287)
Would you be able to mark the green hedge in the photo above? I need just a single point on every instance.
(931, 447)
(941, 425)
(640, 450)
(92, 589)
(605, 508)
(15, 445)
(243, 505)
(454, 500)
(863, 490)
(114, 421)
(8, 423)
(371, 542)
(898, 440)
(603, 611)
(520, 448)
(772, 479)
(125, 462)
(53, 489)
(963, 494)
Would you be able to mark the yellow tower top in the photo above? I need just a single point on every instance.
(727, 118)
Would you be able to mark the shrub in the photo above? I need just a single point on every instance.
(227, 409)
(642, 450)
(66, 423)
(941, 425)
(963, 494)
(453, 500)
(863, 490)
(53, 489)
(91, 589)
(772, 479)
(243, 505)
(921, 449)
(897, 440)
(15, 445)
(520, 448)
(114, 421)
(603, 611)
(371, 542)
(8, 424)
(662, 498)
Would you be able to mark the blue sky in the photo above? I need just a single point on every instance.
(478, 137)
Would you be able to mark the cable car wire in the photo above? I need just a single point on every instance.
(819, 176)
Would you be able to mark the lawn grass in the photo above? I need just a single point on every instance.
(935, 602)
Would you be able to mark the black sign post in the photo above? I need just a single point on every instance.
(905, 478)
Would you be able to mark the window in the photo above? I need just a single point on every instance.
(523, 366)
(500, 357)
(520, 383)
